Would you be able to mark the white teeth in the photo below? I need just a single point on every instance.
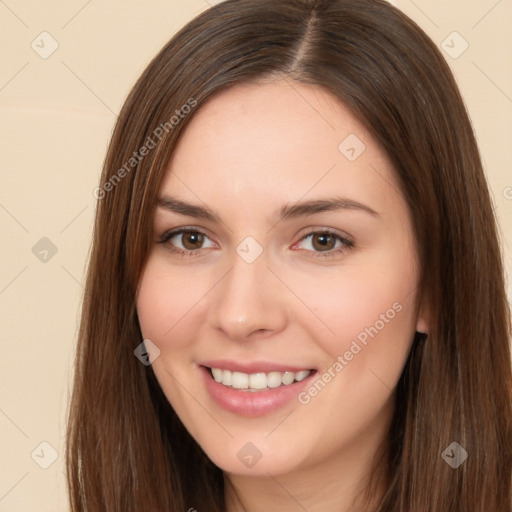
(288, 378)
(301, 375)
(227, 377)
(217, 374)
(274, 379)
(257, 381)
(240, 380)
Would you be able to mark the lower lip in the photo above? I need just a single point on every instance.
(249, 403)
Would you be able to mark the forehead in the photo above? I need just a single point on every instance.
(262, 143)
(282, 118)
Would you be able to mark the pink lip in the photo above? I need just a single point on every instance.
(253, 367)
(248, 403)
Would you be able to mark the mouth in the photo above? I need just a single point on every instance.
(259, 390)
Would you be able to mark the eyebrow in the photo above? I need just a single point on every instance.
(191, 210)
(288, 211)
(311, 207)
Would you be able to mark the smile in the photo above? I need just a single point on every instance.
(261, 389)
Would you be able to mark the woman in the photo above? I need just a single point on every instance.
(295, 297)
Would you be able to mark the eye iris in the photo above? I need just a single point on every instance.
(323, 241)
(192, 240)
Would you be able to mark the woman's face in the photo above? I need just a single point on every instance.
(284, 259)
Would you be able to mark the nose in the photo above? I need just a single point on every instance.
(247, 303)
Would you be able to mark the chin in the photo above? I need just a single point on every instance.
(254, 458)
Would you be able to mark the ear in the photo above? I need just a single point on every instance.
(422, 322)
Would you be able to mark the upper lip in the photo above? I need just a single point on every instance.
(253, 366)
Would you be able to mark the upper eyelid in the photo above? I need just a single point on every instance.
(346, 240)
(330, 231)
(344, 237)
(311, 231)
(169, 233)
(182, 229)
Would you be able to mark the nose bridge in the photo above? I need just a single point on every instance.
(246, 301)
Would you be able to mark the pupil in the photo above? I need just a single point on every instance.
(193, 240)
(323, 242)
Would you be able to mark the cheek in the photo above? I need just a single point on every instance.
(366, 312)
(168, 316)
(166, 304)
(366, 330)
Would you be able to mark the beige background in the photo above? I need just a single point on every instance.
(56, 117)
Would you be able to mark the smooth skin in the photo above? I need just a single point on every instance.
(248, 152)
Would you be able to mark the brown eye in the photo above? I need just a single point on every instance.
(192, 240)
(186, 241)
(323, 241)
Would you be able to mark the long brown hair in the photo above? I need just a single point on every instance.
(126, 448)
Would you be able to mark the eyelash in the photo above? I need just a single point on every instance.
(347, 243)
